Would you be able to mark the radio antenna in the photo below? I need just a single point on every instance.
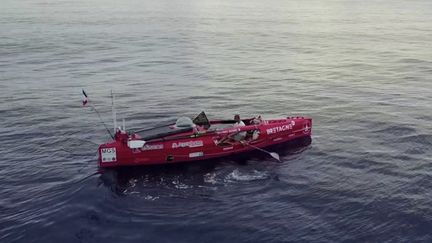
(86, 100)
(114, 113)
(97, 112)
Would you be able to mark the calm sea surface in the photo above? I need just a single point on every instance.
(361, 69)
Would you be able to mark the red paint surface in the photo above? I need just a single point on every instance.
(194, 146)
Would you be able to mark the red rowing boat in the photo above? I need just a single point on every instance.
(200, 139)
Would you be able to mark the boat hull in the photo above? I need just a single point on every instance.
(198, 146)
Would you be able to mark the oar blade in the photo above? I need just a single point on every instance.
(275, 156)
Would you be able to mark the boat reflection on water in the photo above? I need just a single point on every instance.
(165, 179)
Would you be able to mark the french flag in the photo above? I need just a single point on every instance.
(85, 98)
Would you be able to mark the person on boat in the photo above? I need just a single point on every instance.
(237, 137)
(239, 123)
(256, 120)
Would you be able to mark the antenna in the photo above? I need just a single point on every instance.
(94, 108)
(87, 100)
(114, 113)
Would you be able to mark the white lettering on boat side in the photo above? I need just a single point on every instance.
(232, 130)
(282, 128)
(152, 147)
(196, 154)
(190, 144)
(108, 155)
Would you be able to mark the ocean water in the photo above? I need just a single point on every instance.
(361, 69)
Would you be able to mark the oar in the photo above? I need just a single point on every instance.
(272, 154)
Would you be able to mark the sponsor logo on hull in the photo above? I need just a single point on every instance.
(233, 130)
(282, 128)
(108, 155)
(152, 147)
(196, 154)
(190, 144)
